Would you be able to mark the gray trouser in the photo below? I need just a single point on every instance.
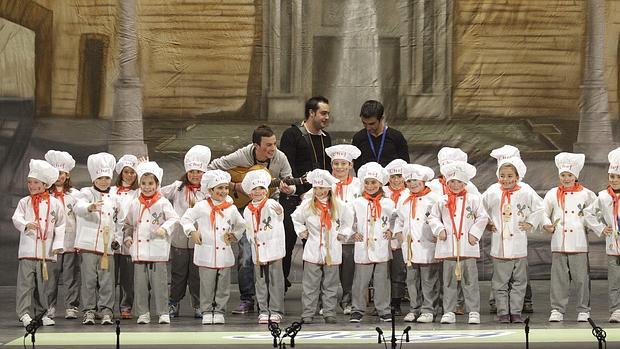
(509, 283)
(67, 268)
(124, 278)
(469, 285)
(151, 276)
(398, 274)
(208, 289)
(378, 272)
(97, 284)
(321, 279)
(184, 274)
(613, 278)
(271, 300)
(567, 268)
(30, 286)
(527, 299)
(423, 285)
(347, 270)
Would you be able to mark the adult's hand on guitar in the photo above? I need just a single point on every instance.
(288, 190)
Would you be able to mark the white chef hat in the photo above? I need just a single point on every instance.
(62, 160)
(321, 178)
(346, 152)
(458, 170)
(126, 160)
(514, 161)
(419, 172)
(614, 161)
(570, 162)
(395, 167)
(43, 171)
(101, 165)
(505, 152)
(373, 170)
(213, 178)
(150, 167)
(197, 158)
(256, 178)
(447, 155)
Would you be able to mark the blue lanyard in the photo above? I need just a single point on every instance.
(372, 144)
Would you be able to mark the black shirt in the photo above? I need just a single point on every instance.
(395, 147)
(301, 155)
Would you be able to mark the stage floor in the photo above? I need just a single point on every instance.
(240, 330)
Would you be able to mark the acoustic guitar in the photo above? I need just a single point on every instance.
(238, 173)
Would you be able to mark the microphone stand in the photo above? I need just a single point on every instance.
(598, 333)
(214, 303)
(118, 334)
(273, 327)
(527, 332)
(33, 326)
(393, 339)
(393, 315)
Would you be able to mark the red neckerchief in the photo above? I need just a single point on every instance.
(149, 201)
(217, 209)
(413, 198)
(36, 201)
(326, 218)
(60, 195)
(507, 193)
(191, 189)
(562, 190)
(123, 189)
(444, 185)
(340, 186)
(451, 205)
(256, 212)
(616, 198)
(396, 194)
(375, 204)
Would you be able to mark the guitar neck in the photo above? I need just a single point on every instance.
(288, 181)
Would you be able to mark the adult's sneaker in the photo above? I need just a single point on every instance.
(25, 320)
(46, 321)
(71, 313)
(474, 318)
(556, 316)
(244, 307)
(144, 319)
(106, 319)
(448, 318)
(425, 318)
(89, 318)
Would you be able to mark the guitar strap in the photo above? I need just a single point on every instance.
(256, 162)
(306, 135)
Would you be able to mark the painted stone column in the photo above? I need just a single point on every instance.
(127, 129)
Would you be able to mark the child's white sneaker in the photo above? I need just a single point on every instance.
(25, 320)
(71, 313)
(47, 321)
(347, 310)
(474, 318)
(410, 317)
(556, 316)
(207, 319)
(448, 318)
(615, 317)
(426, 318)
(218, 319)
(144, 319)
(275, 318)
(583, 317)
(164, 319)
(51, 312)
(263, 319)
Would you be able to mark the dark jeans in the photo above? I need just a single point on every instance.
(289, 203)
(245, 270)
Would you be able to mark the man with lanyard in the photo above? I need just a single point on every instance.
(304, 145)
(377, 141)
(263, 152)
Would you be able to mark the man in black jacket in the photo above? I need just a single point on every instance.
(377, 141)
(304, 146)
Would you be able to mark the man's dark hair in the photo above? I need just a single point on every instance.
(260, 132)
(313, 104)
(372, 108)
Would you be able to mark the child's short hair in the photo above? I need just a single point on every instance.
(150, 175)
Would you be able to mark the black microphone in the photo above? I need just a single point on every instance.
(36, 323)
(379, 334)
(407, 333)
